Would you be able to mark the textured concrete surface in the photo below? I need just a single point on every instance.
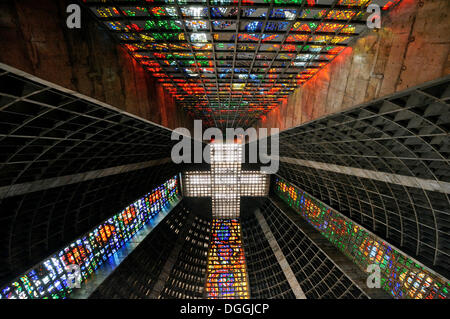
(340, 260)
(172, 259)
(409, 181)
(290, 276)
(411, 48)
(35, 39)
(24, 188)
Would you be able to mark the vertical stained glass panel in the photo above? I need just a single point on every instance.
(227, 276)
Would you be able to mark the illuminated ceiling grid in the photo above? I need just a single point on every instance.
(197, 184)
(226, 171)
(229, 62)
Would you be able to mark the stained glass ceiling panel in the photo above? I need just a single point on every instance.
(230, 62)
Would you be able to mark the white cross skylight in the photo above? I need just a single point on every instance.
(226, 182)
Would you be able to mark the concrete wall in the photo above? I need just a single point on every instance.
(35, 39)
(411, 48)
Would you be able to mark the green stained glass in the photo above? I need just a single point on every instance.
(149, 25)
(410, 281)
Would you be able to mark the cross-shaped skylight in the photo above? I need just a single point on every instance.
(226, 182)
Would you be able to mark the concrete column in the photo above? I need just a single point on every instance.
(409, 181)
(172, 259)
(290, 276)
(30, 187)
(346, 265)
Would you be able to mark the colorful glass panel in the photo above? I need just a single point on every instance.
(49, 279)
(401, 276)
(227, 276)
(238, 32)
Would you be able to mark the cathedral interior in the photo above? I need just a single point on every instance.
(350, 98)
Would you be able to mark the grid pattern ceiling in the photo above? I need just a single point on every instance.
(405, 134)
(317, 274)
(46, 133)
(265, 275)
(229, 62)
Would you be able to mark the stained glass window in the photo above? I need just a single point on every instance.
(237, 33)
(49, 279)
(401, 276)
(226, 271)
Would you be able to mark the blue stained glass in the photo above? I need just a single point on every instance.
(49, 279)
(254, 26)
